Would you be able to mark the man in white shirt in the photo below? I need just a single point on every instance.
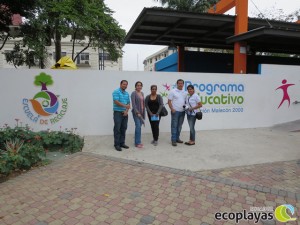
(176, 101)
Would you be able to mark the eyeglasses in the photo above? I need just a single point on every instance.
(153, 89)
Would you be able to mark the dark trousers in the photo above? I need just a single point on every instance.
(154, 128)
(120, 128)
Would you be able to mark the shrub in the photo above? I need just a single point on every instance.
(21, 148)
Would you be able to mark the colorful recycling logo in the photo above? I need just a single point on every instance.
(45, 103)
(45, 108)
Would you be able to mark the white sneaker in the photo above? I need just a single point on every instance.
(155, 143)
(152, 142)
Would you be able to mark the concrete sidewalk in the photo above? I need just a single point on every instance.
(213, 150)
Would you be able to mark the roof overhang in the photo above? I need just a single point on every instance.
(157, 26)
(272, 39)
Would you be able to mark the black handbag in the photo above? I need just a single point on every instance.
(164, 111)
(199, 115)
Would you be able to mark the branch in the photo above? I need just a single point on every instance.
(4, 41)
(86, 47)
(73, 44)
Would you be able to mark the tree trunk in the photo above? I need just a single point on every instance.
(4, 41)
(57, 41)
(44, 87)
(73, 44)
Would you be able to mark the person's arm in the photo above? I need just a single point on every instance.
(127, 107)
(171, 106)
(170, 102)
(161, 104)
(133, 102)
(147, 106)
(121, 104)
(116, 98)
(199, 104)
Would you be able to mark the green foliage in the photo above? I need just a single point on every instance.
(188, 5)
(43, 78)
(19, 56)
(13, 7)
(66, 141)
(55, 19)
(21, 148)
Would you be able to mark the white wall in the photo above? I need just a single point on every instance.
(89, 98)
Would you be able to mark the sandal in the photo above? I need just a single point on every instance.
(139, 146)
(188, 143)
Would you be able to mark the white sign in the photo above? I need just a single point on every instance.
(83, 99)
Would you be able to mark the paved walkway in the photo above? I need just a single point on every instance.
(86, 188)
(226, 171)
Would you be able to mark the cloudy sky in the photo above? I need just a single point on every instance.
(126, 12)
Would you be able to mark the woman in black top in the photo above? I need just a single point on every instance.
(154, 103)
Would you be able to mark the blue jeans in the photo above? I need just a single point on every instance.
(177, 119)
(120, 128)
(138, 129)
(192, 121)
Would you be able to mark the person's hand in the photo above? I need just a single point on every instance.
(139, 115)
(173, 110)
(190, 109)
(125, 113)
(127, 106)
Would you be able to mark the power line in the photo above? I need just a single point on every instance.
(262, 14)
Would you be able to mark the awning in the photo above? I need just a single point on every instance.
(157, 26)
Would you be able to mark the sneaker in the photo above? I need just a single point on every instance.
(179, 141)
(155, 143)
(174, 143)
(152, 142)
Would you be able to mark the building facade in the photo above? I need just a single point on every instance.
(94, 59)
(150, 61)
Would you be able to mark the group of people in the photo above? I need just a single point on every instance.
(179, 101)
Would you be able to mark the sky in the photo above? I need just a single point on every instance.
(126, 12)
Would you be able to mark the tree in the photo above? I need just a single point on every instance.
(19, 56)
(188, 5)
(54, 19)
(43, 80)
(273, 13)
(279, 15)
(7, 9)
(10, 7)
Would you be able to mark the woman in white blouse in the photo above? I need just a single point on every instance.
(193, 104)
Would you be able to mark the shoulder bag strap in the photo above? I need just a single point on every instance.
(190, 104)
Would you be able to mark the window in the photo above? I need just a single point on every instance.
(104, 56)
(62, 55)
(83, 58)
